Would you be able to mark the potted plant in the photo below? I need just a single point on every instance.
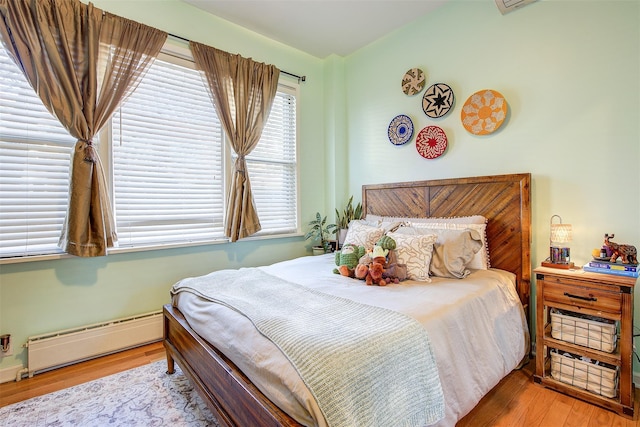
(320, 232)
(345, 217)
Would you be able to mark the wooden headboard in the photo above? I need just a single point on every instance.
(505, 200)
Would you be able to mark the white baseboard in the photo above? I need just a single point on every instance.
(9, 374)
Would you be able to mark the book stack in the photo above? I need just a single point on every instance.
(616, 268)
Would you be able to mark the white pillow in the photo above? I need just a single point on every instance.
(361, 234)
(480, 260)
(415, 250)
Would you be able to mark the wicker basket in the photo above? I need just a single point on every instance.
(571, 369)
(593, 332)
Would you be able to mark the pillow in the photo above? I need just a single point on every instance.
(451, 259)
(361, 234)
(415, 251)
(447, 231)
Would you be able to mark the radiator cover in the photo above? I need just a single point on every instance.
(61, 348)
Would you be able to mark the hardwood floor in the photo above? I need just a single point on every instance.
(518, 402)
(515, 402)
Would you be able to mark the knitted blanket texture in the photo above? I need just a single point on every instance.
(365, 365)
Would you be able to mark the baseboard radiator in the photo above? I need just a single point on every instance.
(62, 348)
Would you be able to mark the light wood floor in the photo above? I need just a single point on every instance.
(515, 402)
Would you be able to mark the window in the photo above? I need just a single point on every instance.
(273, 169)
(166, 158)
(35, 151)
(168, 161)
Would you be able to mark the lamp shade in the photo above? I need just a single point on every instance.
(559, 252)
(561, 233)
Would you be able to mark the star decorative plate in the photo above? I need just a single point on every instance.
(484, 112)
(437, 100)
(413, 81)
(400, 130)
(431, 142)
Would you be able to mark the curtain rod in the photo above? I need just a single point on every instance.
(300, 78)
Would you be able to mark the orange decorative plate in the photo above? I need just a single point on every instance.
(484, 112)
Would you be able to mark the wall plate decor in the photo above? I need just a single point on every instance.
(437, 100)
(400, 130)
(484, 112)
(431, 142)
(413, 81)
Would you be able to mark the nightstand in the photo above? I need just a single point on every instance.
(591, 305)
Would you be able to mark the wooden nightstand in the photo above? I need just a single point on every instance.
(579, 293)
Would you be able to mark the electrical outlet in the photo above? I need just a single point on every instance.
(5, 343)
(9, 352)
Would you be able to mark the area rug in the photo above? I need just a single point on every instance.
(145, 396)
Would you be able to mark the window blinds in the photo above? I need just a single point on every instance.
(272, 168)
(168, 161)
(35, 152)
(167, 164)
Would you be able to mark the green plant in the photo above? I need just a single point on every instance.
(348, 214)
(320, 231)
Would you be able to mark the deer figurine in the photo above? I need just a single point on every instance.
(628, 253)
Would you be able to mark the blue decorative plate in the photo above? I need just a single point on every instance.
(400, 130)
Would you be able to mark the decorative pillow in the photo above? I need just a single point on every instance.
(361, 234)
(447, 231)
(415, 251)
(451, 259)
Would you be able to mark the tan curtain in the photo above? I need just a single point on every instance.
(82, 63)
(243, 92)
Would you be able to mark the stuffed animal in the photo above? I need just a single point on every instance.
(395, 273)
(386, 242)
(371, 274)
(347, 259)
(379, 252)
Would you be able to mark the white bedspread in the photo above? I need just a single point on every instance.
(476, 326)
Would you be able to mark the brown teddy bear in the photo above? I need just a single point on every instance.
(371, 273)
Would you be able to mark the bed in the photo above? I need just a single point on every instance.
(503, 199)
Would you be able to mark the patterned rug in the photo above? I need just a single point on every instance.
(144, 396)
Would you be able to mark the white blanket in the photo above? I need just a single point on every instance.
(365, 365)
(476, 326)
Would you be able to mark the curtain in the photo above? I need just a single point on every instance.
(243, 92)
(82, 63)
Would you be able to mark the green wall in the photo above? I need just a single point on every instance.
(44, 296)
(570, 71)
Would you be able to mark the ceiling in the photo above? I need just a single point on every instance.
(320, 27)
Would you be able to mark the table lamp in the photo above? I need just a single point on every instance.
(559, 252)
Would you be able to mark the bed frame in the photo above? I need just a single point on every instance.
(503, 199)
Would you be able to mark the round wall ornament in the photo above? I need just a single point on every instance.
(431, 142)
(413, 81)
(400, 130)
(437, 100)
(484, 112)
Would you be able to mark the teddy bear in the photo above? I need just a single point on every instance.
(394, 272)
(347, 259)
(371, 274)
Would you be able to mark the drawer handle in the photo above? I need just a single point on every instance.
(589, 298)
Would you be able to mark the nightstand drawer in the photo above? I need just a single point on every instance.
(580, 296)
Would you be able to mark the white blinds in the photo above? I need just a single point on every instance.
(167, 166)
(273, 168)
(34, 168)
(168, 161)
